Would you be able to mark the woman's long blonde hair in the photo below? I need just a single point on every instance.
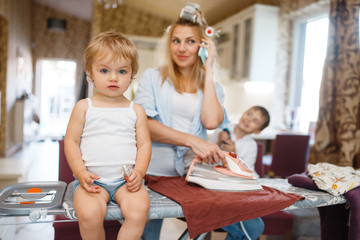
(169, 69)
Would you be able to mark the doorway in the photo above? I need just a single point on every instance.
(56, 91)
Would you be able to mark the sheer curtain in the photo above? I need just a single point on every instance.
(337, 136)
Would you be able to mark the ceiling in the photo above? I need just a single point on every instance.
(214, 10)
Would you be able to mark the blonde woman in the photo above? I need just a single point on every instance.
(182, 100)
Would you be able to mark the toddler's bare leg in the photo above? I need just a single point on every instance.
(91, 209)
(135, 208)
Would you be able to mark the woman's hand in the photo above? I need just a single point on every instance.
(86, 180)
(134, 181)
(210, 46)
(207, 152)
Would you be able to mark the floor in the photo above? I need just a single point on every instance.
(43, 157)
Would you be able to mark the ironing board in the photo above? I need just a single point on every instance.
(56, 197)
(160, 206)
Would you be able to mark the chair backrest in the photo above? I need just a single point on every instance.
(289, 156)
(65, 173)
(259, 167)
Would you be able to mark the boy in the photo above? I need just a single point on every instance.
(236, 138)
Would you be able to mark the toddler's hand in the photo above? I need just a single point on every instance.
(134, 181)
(86, 179)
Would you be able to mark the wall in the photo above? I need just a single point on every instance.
(127, 20)
(254, 88)
(218, 14)
(238, 100)
(292, 6)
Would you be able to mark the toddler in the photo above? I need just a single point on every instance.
(107, 142)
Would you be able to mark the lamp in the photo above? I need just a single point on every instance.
(110, 3)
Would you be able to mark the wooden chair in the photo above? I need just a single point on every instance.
(279, 223)
(70, 230)
(259, 166)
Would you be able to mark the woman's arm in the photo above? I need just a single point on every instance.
(212, 113)
(208, 152)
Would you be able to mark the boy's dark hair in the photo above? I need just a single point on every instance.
(265, 114)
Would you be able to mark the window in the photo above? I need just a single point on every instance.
(310, 45)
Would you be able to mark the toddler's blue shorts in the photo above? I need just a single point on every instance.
(110, 187)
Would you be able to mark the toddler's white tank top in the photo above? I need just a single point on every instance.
(108, 140)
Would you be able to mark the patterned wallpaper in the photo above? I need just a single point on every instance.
(292, 6)
(217, 16)
(3, 63)
(70, 44)
(127, 20)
